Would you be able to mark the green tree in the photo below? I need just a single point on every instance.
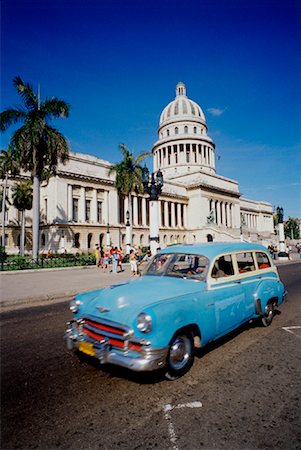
(9, 166)
(291, 228)
(22, 200)
(38, 145)
(128, 179)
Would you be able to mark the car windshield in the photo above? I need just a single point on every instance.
(179, 265)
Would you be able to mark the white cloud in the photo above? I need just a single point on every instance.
(216, 111)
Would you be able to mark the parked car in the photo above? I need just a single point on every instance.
(189, 296)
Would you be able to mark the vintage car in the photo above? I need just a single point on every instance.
(189, 296)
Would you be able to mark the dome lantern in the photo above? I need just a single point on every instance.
(180, 89)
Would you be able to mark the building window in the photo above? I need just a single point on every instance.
(76, 240)
(168, 155)
(162, 213)
(45, 208)
(89, 240)
(88, 210)
(194, 130)
(176, 130)
(175, 150)
(186, 129)
(147, 211)
(43, 240)
(167, 132)
(75, 209)
(99, 211)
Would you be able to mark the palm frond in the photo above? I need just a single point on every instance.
(26, 92)
(10, 117)
(54, 108)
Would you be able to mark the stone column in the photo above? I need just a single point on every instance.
(173, 214)
(218, 211)
(82, 205)
(135, 210)
(94, 206)
(179, 215)
(70, 203)
(166, 214)
(144, 211)
(154, 225)
(185, 216)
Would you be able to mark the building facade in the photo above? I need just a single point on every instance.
(80, 205)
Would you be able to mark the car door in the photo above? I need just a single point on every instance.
(226, 294)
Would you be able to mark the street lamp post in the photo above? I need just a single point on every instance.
(154, 189)
(282, 255)
(128, 236)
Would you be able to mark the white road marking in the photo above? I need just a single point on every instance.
(289, 330)
(171, 430)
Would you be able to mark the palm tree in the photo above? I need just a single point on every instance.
(38, 145)
(8, 166)
(22, 200)
(128, 179)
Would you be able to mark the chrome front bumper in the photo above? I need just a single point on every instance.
(147, 359)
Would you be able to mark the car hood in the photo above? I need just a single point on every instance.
(122, 302)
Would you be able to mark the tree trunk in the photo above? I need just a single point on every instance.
(36, 217)
(22, 237)
(3, 210)
(129, 228)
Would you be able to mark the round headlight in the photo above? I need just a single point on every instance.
(74, 305)
(144, 322)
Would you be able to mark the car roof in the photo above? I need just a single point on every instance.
(212, 249)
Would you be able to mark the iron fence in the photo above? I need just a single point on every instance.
(9, 263)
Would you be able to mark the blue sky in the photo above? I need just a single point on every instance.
(117, 63)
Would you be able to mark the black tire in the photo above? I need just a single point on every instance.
(267, 318)
(180, 355)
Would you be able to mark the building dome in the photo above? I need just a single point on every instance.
(183, 145)
(181, 108)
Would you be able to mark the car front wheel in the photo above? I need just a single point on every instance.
(180, 355)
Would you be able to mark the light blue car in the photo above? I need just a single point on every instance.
(189, 296)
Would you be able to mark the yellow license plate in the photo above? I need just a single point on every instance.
(87, 348)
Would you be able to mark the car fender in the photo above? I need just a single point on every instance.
(266, 290)
(183, 311)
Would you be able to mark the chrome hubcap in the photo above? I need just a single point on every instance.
(180, 352)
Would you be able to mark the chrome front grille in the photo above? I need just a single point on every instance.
(119, 336)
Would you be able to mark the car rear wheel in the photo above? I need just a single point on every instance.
(180, 355)
(267, 319)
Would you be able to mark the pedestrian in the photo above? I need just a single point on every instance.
(97, 255)
(115, 257)
(139, 254)
(106, 260)
(133, 262)
(120, 257)
(101, 256)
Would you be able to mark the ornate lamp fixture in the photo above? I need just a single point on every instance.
(154, 187)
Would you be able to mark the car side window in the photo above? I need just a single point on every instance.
(223, 267)
(245, 262)
(262, 260)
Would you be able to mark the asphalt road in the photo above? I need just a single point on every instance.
(243, 392)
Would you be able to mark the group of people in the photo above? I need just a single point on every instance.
(137, 258)
(104, 258)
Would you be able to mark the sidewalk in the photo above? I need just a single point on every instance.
(30, 287)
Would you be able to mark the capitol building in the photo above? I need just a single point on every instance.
(80, 206)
